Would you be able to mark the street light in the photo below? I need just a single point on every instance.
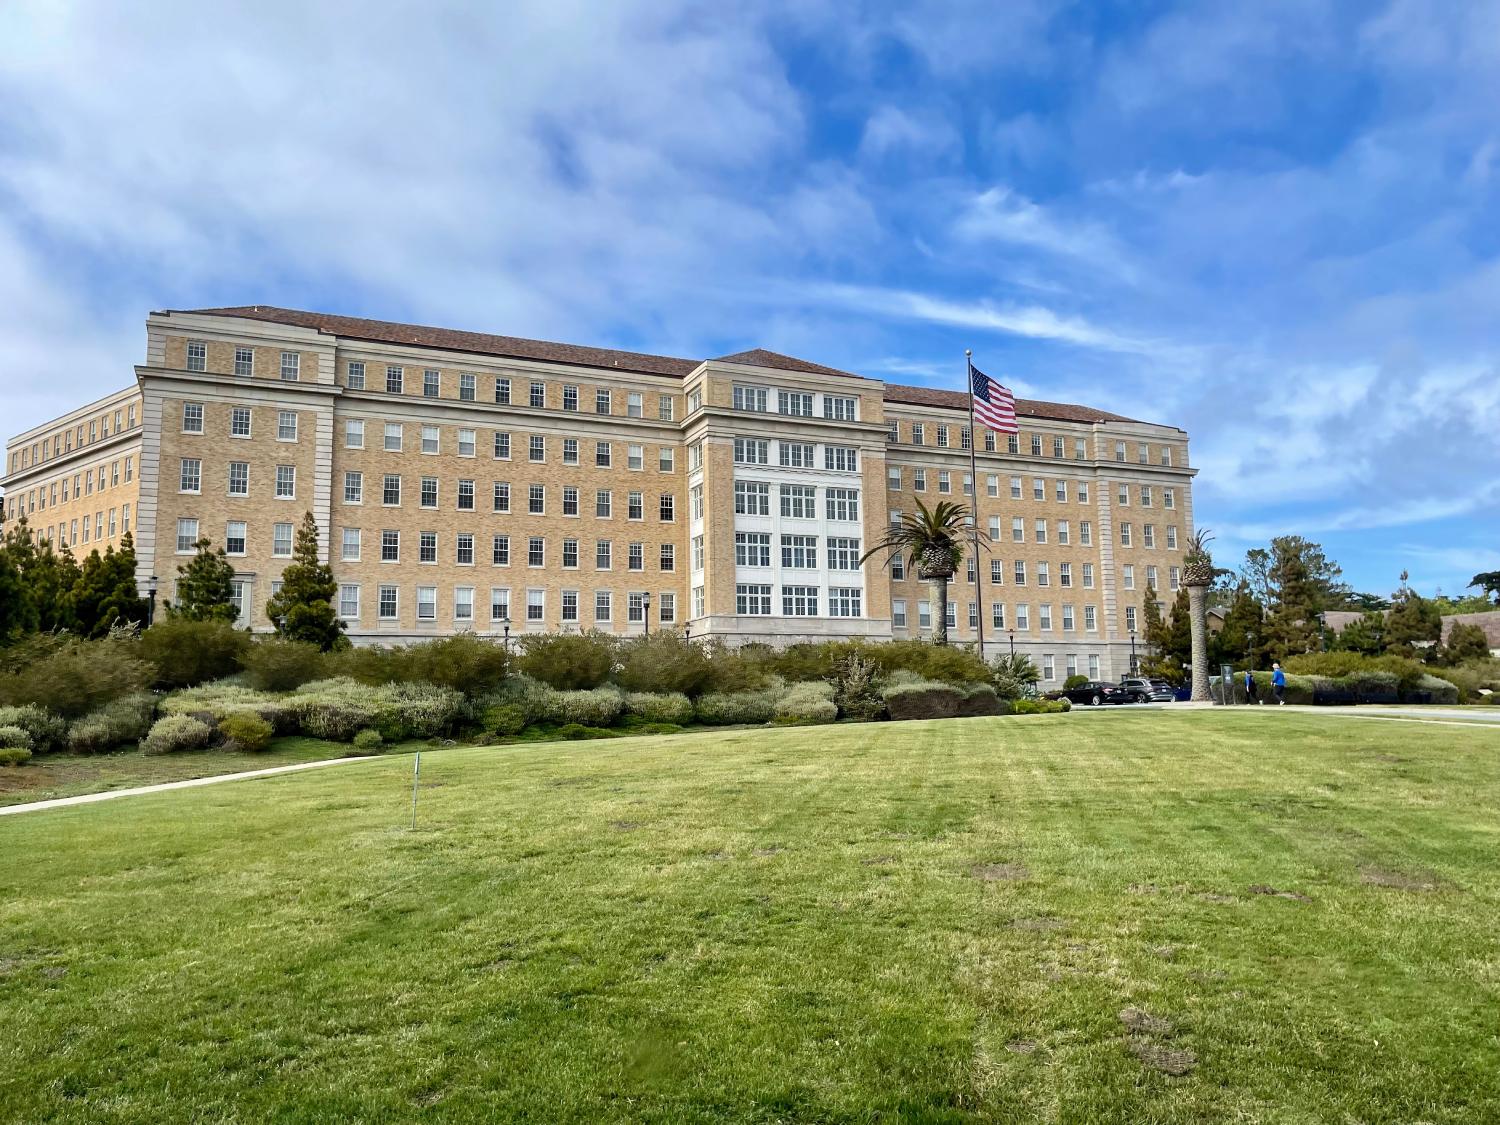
(646, 611)
(1132, 651)
(687, 631)
(505, 624)
(1012, 643)
(1249, 660)
(151, 603)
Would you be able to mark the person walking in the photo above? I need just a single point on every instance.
(1250, 696)
(1278, 684)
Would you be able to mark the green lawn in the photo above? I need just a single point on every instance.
(1143, 917)
(68, 775)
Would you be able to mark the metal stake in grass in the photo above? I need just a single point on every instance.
(416, 776)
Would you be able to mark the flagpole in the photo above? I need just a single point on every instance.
(974, 507)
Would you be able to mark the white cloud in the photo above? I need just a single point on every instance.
(891, 131)
(1001, 215)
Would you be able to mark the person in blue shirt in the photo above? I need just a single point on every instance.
(1250, 696)
(1278, 684)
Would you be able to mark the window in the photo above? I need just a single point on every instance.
(1124, 495)
(989, 441)
(291, 367)
(1143, 453)
(1065, 574)
(751, 498)
(942, 437)
(502, 496)
(1088, 576)
(536, 500)
(695, 456)
(898, 613)
(603, 605)
(843, 553)
(536, 448)
(752, 599)
(919, 480)
(1018, 572)
(354, 433)
(635, 557)
(1017, 530)
(1130, 618)
(537, 395)
(390, 546)
(428, 497)
(997, 615)
(570, 396)
(1038, 488)
(281, 540)
(997, 572)
(604, 503)
(499, 604)
(844, 601)
(839, 408)
(1152, 581)
(431, 441)
(1057, 447)
(570, 451)
(197, 356)
(635, 457)
(1063, 532)
(187, 535)
(1015, 488)
(666, 508)
(237, 590)
(635, 506)
(1023, 617)
(502, 445)
(1060, 491)
(1013, 443)
(1169, 498)
(1036, 445)
(664, 460)
(695, 497)
(1090, 619)
(465, 496)
(1080, 449)
(796, 454)
(635, 404)
(601, 402)
(500, 550)
(667, 557)
(1171, 537)
(351, 545)
(569, 500)
(239, 422)
(502, 391)
(1119, 451)
(536, 551)
(665, 410)
(286, 425)
(843, 503)
(695, 400)
(799, 501)
(427, 547)
(1166, 455)
(992, 485)
(393, 437)
(570, 554)
(795, 403)
(924, 614)
(604, 557)
(395, 378)
(191, 477)
(466, 387)
(387, 603)
(239, 478)
(1049, 666)
(1145, 496)
(1067, 618)
(1040, 531)
(390, 490)
(635, 608)
(799, 552)
(603, 455)
(1083, 492)
(432, 384)
(893, 431)
(234, 537)
(426, 603)
(568, 605)
(841, 458)
(893, 478)
(1086, 533)
(917, 433)
(1043, 574)
(192, 418)
(463, 553)
(751, 451)
(466, 443)
(348, 601)
(1124, 535)
(1174, 577)
(1127, 576)
(1148, 535)
(244, 366)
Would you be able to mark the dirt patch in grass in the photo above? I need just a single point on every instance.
(1165, 952)
(1139, 1022)
(1000, 872)
(1215, 897)
(774, 849)
(1173, 1061)
(1021, 1046)
(1263, 889)
(624, 825)
(877, 861)
(1398, 880)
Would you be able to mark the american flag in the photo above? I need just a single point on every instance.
(993, 404)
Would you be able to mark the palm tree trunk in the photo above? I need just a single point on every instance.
(1198, 623)
(940, 626)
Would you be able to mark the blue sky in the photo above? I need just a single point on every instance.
(1274, 224)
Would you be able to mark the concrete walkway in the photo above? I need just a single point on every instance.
(110, 795)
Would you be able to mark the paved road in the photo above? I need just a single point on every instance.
(1447, 716)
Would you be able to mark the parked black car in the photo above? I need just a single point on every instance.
(1095, 693)
(1142, 690)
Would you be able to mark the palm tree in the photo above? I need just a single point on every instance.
(934, 538)
(1197, 576)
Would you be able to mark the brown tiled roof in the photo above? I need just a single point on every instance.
(479, 343)
(759, 357)
(1489, 622)
(1025, 407)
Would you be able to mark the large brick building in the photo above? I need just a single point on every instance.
(468, 481)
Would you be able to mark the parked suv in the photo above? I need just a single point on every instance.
(1095, 693)
(1141, 690)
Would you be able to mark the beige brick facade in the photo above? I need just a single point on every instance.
(462, 481)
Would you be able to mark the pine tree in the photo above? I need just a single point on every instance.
(19, 611)
(303, 610)
(1243, 619)
(205, 586)
(1413, 622)
(105, 594)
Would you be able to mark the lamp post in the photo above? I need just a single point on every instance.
(1132, 652)
(1249, 658)
(505, 624)
(687, 631)
(151, 601)
(1012, 633)
(646, 611)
